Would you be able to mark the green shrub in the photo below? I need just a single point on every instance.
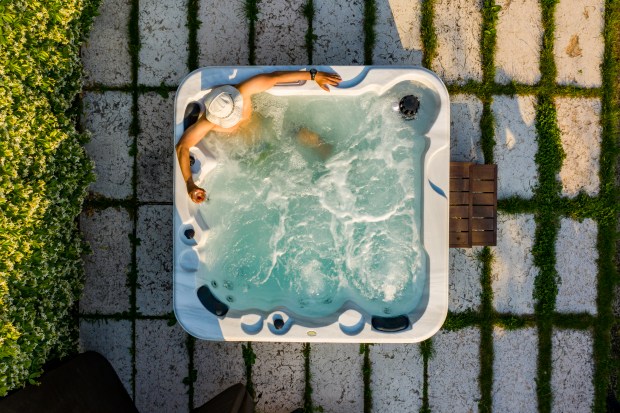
(44, 174)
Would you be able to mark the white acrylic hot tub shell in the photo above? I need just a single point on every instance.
(357, 80)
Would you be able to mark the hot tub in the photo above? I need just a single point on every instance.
(348, 246)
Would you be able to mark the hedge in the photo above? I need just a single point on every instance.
(44, 174)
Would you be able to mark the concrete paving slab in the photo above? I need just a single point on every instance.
(223, 34)
(397, 377)
(579, 43)
(281, 33)
(457, 26)
(572, 372)
(278, 376)
(155, 148)
(513, 271)
(336, 377)
(154, 259)
(576, 258)
(163, 38)
(579, 123)
(219, 366)
(519, 40)
(464, 276)
(340, 34)
(516, 145)
(105, 54)
(465, 114)
(112, 339)
(105, 287)
(108, 116)
(397, 33)
(514, 370)
(161, 365)
(453, 371)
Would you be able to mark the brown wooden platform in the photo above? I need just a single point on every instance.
(473, 204)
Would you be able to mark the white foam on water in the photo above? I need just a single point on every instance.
(289, 228)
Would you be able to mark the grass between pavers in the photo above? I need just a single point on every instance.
(191, 378)
(193, 24)
(249, 358)
(370, 18)
(308, 405)
(366, 373)
(427, 33)
(250, 9)
(310, 37)
(426, 350)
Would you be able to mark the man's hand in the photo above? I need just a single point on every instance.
(198, 195)
(323, 79)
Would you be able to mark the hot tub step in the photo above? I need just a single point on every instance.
(473, 205)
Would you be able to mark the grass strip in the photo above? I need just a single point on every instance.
(310, 37)
(574, 321)
(427, 33)
(249, 358)
(427, 352)
(485, 379)
(250, 8)
(488, 41)
(134, 131)
(366, 372)
(193, 24)
(370, 19)
(511, 89)
(308, 407)
(460, 320)
(548, 70)
(190, 344)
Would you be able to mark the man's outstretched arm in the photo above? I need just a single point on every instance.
(191, 137)
(261, 83)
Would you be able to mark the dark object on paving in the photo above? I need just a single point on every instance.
(234, 399)
(192, 112)
(88, 384)
(390, 324)
(211, 303)
(473, 205)
(84, 384)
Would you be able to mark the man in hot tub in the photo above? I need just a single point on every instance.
(229, 108)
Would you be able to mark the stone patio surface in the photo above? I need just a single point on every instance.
(126, 309)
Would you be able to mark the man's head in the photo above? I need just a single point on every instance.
(224, 106)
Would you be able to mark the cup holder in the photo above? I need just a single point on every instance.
(280, 323)
(189, 235)
(351, 322)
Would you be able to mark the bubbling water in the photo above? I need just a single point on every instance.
(290, 227)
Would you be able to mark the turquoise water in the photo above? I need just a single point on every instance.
(290, 227)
